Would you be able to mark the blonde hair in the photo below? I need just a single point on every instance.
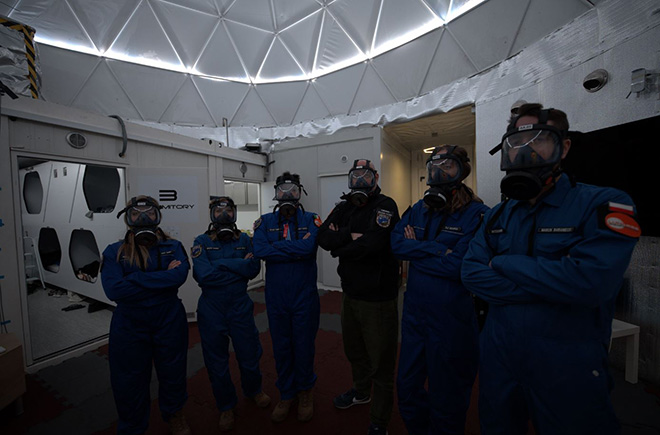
(137, 255)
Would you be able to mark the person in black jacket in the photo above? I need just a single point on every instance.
(358, 232)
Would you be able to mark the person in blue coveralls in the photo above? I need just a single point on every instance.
(439, 332)
(550, 261)
(286, 239)
(223, 264)
(142, 274)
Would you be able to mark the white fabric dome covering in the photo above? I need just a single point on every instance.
(270, 63)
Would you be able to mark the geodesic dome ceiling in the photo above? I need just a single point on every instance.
(270, 62)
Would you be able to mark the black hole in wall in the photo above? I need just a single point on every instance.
(626, 157)
(50, 251)
(33, 192)
(84, 255)
(101, 188)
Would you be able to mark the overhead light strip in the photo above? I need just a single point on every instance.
(316, 73)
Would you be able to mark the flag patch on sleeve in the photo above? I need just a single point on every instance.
(619, 218)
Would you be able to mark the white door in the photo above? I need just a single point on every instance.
(332, 187)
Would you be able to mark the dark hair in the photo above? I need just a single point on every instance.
(559, 118)
(288, 176)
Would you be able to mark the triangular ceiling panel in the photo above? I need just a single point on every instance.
(311, 107)
(252, 112)
(143, 41)
(54, 21)
(542, 18)
(400, 18)
(279, 65)
(207, 6)
(252, 45)
(150, 89)
(256, 13)
(219, 59)
(187, 29)
(187, 107)
(337, 90)
(301, 39)
(222, 5)
(282, 99)
(449, 63)
(358, 19)
(288, 12)
(222, 97)
(497, 22)
(334, 47)
(103, 94)
(63, 73)
(372, 92)
(416, 57)
(440, 7)
(7, 6)
(103, 19)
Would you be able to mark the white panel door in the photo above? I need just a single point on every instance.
(331, 189)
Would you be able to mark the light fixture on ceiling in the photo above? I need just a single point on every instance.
(428, 150)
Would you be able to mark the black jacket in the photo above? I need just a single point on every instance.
(367, 267)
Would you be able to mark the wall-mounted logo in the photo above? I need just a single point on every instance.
(177, 194)
(167, 195)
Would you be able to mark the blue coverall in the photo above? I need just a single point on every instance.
(439, 327)
(551, 273)
(225, 310)
(292, 299)
(148, 325)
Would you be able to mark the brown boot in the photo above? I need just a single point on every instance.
(281, 411)
(226, 420)
(305, 405)
(261, 399)
(178, 424)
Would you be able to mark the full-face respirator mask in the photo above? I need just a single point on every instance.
(361, 182)
(288, 191)
(445, 172)
(222, 211)
(142, 216)
(531, 155)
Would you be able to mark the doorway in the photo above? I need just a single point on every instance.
(68, 217)
(420, 136)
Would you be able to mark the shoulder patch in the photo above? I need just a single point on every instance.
(383, 217)
(196, 251)
(256, 224)
(317, 220)
(619, 218)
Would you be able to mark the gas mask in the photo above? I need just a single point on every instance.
(288, 191)
(361, 181)
(530, 156)
(445, 171)
(142, 216)
(222, 211)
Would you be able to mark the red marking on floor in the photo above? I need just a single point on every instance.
(331, 302)
(259, 308)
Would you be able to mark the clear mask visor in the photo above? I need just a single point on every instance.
(287, 192)
(143, 216)
(223, 213)
(443, 170)
(364, 178)
(530, 149)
